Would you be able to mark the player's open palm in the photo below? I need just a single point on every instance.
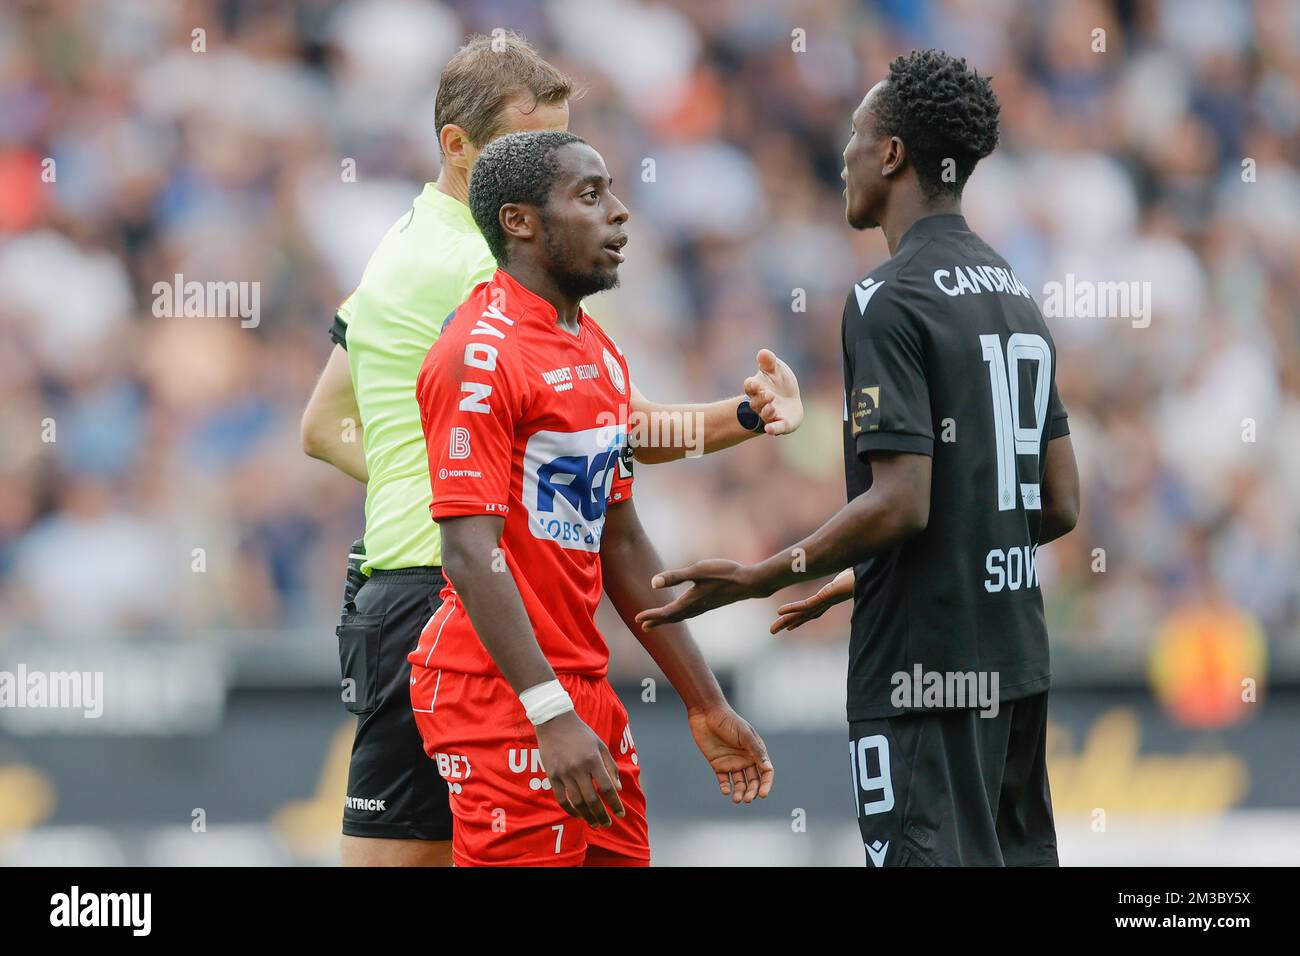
(581, 770)
(735, 751)
(715, 582)
(773, 393)
(790, 616)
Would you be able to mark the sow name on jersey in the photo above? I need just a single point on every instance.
(567, 478)
(1012, 569)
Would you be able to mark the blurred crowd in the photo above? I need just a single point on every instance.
(152, 480)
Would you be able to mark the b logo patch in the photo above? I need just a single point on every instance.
(458, 446)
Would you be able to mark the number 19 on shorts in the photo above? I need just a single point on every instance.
(873, 788)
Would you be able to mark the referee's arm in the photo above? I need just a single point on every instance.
(331, 423)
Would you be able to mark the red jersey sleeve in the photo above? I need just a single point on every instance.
(620, 489)
(471, 395)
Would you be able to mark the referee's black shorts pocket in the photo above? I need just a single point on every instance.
(359, 661)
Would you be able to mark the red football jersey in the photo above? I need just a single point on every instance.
(526, 420)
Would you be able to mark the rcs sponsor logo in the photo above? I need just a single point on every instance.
(567, 478)
(453, 768)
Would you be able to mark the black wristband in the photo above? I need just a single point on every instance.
(749, 419)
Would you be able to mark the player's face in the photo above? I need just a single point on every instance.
(864, 186)
(581, 226)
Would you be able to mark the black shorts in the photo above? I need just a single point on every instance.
(394, 789)
(953, 788)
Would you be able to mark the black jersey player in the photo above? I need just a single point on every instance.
(959, 466)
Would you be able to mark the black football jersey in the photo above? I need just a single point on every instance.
(946, 354)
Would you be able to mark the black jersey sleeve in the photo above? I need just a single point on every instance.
(889, 404)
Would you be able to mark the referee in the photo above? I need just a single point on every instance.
(396, 811)
(959, 466)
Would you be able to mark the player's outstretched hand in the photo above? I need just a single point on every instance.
(581, 770)
(735, 751)
(716, 583)
(790, 616)
(773, 393)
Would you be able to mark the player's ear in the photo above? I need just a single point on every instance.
(518, 221)
(454, 142)
(895, 157)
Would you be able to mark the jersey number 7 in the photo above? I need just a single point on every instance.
(1012, 437)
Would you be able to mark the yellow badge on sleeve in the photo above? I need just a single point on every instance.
(866, 402)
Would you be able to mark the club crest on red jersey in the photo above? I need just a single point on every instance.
(615, 373)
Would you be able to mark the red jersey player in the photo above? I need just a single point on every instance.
(524, 401)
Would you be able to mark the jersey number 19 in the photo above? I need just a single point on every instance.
(1012, 437)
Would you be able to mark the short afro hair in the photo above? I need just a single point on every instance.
(941, 110)
(516, 168)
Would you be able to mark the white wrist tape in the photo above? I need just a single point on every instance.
(544, 701)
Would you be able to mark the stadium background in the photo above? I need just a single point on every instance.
(173, 537)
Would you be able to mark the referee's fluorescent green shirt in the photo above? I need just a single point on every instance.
(422, 270)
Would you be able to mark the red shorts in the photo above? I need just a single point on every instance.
(504, 811)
